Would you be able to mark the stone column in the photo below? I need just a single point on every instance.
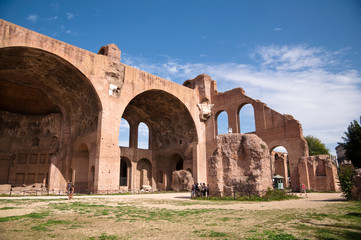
(134, 175)
(232, 121)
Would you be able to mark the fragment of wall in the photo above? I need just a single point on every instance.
(318, 173)
(237, 159)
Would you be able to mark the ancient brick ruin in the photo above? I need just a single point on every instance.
(61, 108)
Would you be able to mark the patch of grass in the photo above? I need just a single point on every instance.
(131, 213)
(317, 216)
(7, 208)
(225, 219)
(31, 215)
(39, 228)
(50, 223)
(105, 236)
(217, 234)
(281, 236)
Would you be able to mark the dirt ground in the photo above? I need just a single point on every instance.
(313, 200)
(174, 216)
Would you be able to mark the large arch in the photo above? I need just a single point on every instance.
(246, 118)
(221, 120)
(47, 107)
(171, 130)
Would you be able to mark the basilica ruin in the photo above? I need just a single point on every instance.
(61, 108)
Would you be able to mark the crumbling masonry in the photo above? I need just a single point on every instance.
(61, 108)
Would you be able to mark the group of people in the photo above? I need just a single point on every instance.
(200, 190)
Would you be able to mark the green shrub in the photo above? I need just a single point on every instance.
(345, 176)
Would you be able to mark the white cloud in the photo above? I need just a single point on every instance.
(33, 18)
(143, 130)
(69, 15)
(277, 29)
(296, 80)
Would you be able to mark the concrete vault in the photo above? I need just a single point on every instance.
(172, 136)
(48, 119)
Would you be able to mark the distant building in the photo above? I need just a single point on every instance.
(341, 155)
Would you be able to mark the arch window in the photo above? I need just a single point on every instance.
(123, 139)
(222, 123)
(246, 119)
(280, 164)
(143, 136)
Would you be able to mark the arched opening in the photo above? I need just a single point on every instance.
(125, 173)
(247, 122)
(124, 136)
(46, 105)
(222, 122)
(280, 164)
(179, 165)
(171, 129)
(143, 136)
(80, 166)
(144, 168)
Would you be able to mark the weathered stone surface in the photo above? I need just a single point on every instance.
(182, 180)
(91, 93)
(356, 189)
(318, 173)
(240, 158)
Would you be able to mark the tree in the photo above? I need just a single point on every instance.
(345, 176)
(352, 143)
(315, 146)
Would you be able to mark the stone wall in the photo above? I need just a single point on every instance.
(239, 158)
(27, 145)
(318, 173)
(92, 92)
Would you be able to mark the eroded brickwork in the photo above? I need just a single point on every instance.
(55, 94)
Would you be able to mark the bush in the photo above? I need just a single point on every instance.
(271, 195)
(345, 176)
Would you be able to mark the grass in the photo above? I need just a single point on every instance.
(271, 195)
(31, 215)
(168, 219)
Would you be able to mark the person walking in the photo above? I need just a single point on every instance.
(303, 189)
(71, 193)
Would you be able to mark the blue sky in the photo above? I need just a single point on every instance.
(302, 58)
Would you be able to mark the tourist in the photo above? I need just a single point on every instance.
(207, 190)
(196, 190)
(71, 192)
(303, 189)
(204, 190)
(192, 193)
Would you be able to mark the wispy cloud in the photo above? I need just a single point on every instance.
(33, 18)
(69, 15)
(277, 29)
(297, 80)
